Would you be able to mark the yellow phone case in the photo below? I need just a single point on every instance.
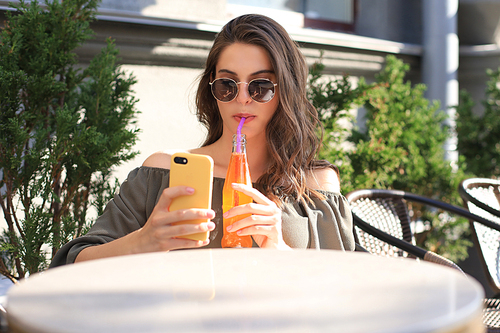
(195, 171)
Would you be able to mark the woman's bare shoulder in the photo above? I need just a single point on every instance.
(160, 159)
(326, 179)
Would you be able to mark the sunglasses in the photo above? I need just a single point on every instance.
(260, 90)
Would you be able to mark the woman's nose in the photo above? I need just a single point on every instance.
(243, 94)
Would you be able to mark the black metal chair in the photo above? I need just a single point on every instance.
(382, 226)
(482, 197)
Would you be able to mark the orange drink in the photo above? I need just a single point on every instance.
(237, 172)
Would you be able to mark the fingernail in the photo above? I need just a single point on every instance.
(229, 228)
(190, 190)
(226, 214)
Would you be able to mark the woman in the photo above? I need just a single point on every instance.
(297, 201)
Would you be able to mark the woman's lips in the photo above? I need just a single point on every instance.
(248, 117)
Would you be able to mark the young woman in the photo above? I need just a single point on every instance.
(254, 70)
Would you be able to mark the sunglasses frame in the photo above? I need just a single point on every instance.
(238, 87)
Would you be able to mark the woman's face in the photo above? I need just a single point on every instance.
(243, 63)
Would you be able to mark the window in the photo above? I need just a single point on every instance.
(318, 14)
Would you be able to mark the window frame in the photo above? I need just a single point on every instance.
(325, 24)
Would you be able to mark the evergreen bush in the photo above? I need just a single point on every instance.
(401, 148)
(62, 129)
(479, 134)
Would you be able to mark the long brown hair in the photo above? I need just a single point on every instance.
(292, 133)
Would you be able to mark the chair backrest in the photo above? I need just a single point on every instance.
(381, 218)
(386, 211)
(482, 197)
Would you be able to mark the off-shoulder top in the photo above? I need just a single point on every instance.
(326, 224)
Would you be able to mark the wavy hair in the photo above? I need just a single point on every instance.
(292, 133)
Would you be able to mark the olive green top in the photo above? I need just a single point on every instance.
(325, 225)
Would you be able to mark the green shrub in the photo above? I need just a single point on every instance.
(62, 129)
(401, 148)
(479, 135)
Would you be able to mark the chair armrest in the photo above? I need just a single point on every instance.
(404, 245)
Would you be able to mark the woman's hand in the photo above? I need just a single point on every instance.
(264, 225)
(159, 234)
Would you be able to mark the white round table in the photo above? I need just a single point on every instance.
(247, 290)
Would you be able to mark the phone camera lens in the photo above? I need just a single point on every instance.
(180, 160)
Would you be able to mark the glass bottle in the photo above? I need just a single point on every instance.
(237, 172)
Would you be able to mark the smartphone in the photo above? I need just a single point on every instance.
(195, 171)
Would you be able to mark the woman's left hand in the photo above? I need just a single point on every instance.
(264, 223)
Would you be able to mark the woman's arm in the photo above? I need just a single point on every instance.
(264, 224)
(158, 234)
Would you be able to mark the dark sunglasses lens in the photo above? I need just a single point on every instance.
(224, 90)
(261, 91)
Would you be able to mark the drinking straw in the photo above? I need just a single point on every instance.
(238, 135)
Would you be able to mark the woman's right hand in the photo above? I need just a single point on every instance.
(158, 233)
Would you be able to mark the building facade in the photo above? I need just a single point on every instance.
(164, 43)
